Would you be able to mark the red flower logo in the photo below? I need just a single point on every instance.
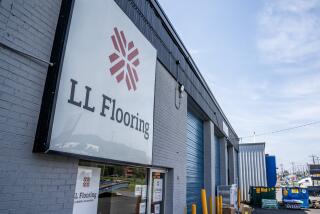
(86, 181)
(124, 60)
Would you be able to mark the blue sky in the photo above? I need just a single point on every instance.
(261, 59)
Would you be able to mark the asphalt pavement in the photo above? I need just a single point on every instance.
(284, 211)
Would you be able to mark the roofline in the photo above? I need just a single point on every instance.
(188, 57)
(249, 144)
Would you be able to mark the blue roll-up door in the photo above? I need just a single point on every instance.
(195, 161)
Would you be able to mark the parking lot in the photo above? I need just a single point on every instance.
(266, 211)
(279, 198)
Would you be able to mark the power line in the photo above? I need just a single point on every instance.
(280, 130)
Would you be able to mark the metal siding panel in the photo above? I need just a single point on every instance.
(258, 179)
(261, 168)
(243, 181)
(195, 160)
(240, 173)
(252, 167)
(261, 165)
(247, 163)
(261, 157)
(264, 169)
(250, 172)
(243, 174)
(246, 180)
(254, 172)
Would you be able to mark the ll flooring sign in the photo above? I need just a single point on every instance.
(105, 96)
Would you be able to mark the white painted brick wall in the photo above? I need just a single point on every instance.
(38, 183)
(29, 183)
(169, 147)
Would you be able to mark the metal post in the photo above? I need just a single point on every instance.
(204, 202)
(210, 205)
(220, 204)
(193, 209)
(217, 205)
(239, 198)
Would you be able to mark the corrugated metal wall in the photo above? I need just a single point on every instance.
(195, 161)
(237, 167)
(252, 167)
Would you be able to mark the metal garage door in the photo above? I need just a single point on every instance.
(194, 161)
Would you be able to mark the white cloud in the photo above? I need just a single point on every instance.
(289, 44)
(279, 90)
(289, 31)
(296, 6)
(301, 86)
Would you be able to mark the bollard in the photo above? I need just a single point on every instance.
(239, 198)
(217, 205)
(210, 205)
(220, 204)
(204, 202)
(193, 209)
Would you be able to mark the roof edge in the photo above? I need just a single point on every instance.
(249, 144)
(177, 39)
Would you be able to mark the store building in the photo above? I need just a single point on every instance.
(102, 108)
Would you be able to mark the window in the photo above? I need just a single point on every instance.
(122, 190)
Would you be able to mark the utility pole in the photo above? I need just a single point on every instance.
(281, 168)
(314, 157)
(318, 160)
(293, 170)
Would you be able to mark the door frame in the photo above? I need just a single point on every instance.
(151, 170)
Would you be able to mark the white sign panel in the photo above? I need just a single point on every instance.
(157, 209)
(157, 190)
(105, 99)
(137, 191)
(87, 190)
(143, 192)
(142, 208)
(225, 128)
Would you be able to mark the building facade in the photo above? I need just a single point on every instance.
(74, 141)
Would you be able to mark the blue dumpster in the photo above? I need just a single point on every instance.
(296, 195)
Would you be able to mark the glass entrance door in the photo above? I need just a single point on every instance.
(157, 189)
